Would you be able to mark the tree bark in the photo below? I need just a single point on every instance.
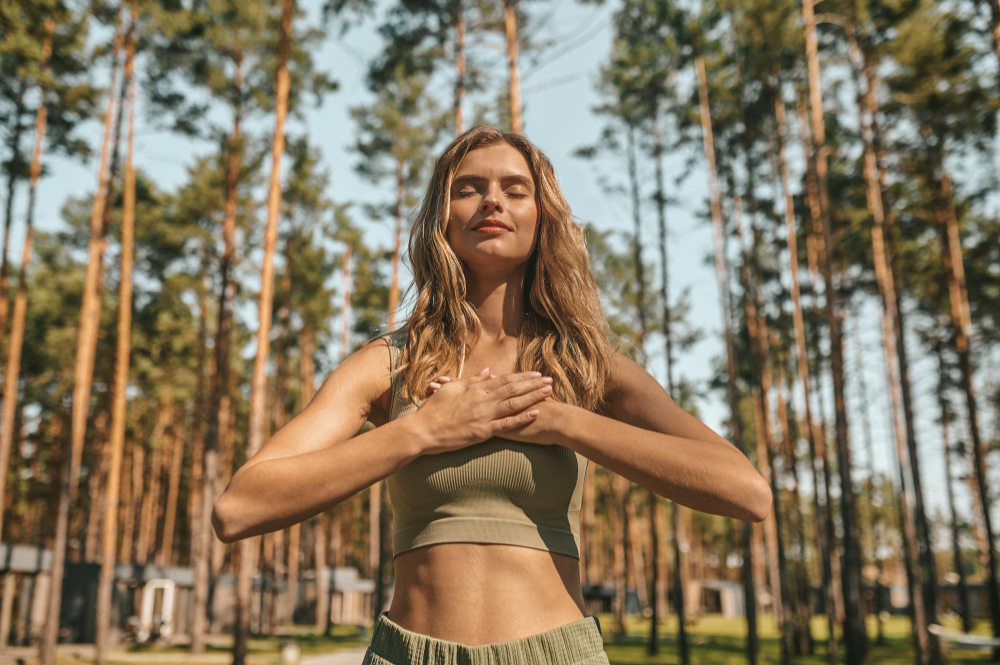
(510, 29)
(854, 618)
(175, 442)
(459, 68)
(122, 352)
(750, 596)
(892, 333)
(951, 253)
(83, 372)
(17, 326)
(619, 492)
(823, 535)
(218, 423)
(265, 302)
(12, 178)
(956, 549)
(757, 327)
(994, 7)
(683, 649)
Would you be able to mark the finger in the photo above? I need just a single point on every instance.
(514, 421)
(504, 379)
(521, 402)
(435, 385)
(516, 388)
(483, 375)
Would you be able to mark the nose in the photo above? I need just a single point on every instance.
(490, 199)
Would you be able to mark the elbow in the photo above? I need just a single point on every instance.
(222, 521)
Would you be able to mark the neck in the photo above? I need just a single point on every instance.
(499, 302)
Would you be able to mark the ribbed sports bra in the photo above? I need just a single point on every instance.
(497, 491)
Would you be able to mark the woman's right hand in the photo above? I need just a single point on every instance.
(470, 410)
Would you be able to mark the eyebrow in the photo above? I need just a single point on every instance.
(518, 179)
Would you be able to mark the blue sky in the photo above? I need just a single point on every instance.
(557, 117)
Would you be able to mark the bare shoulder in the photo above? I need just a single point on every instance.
(631, 388)
(362, 381)
(356, 390)
(636, 397)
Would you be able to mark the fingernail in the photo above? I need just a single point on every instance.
(484, 371)
(536, 374)
(547, 379)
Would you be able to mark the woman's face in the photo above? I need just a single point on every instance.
(493, 186)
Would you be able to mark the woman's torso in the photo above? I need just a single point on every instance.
(475, 593)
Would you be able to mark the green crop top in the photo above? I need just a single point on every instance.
(496, 491)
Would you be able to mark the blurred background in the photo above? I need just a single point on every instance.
(792, 211)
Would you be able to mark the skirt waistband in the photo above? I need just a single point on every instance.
(565, 645)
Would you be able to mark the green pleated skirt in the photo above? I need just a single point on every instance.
(576, 643)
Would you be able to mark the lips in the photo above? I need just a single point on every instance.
(491, 223)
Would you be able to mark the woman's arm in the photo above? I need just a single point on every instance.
(315, 461)
(646, 437)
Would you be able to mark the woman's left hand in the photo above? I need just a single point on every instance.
(541, 430)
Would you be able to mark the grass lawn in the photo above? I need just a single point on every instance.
(218, 650)
(714, 641)
(717, 640)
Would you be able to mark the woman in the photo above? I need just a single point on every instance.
(485, 443)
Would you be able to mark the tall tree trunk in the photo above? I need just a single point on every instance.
(201, 415)
(136, 466)
(12, 374)
(376, 493)
(12, 178)
(994, 8)
(635, 551)
(175, 441)
(749, 595)
(97, 486)
(757, 327)
(640, 279)
(964, 609)
(307, 373)
(871, 490)
(817, 426)
(683, 648)
(17, 332)
(83, 371)
(619, 494)
(854, 617)
(322, 572)
(899, 383)
(146, 542)
(265, 302)
(796, 523)
(951, 253)
(459, 68)
(823, 512)
(279, 416)
(122, 351)
(510, 29)
(218, 422)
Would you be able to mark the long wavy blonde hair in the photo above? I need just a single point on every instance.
(565, 333)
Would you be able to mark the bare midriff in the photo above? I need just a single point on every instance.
(480, 593)
(475, 594)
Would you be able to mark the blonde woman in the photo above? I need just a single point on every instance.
(488, 404)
